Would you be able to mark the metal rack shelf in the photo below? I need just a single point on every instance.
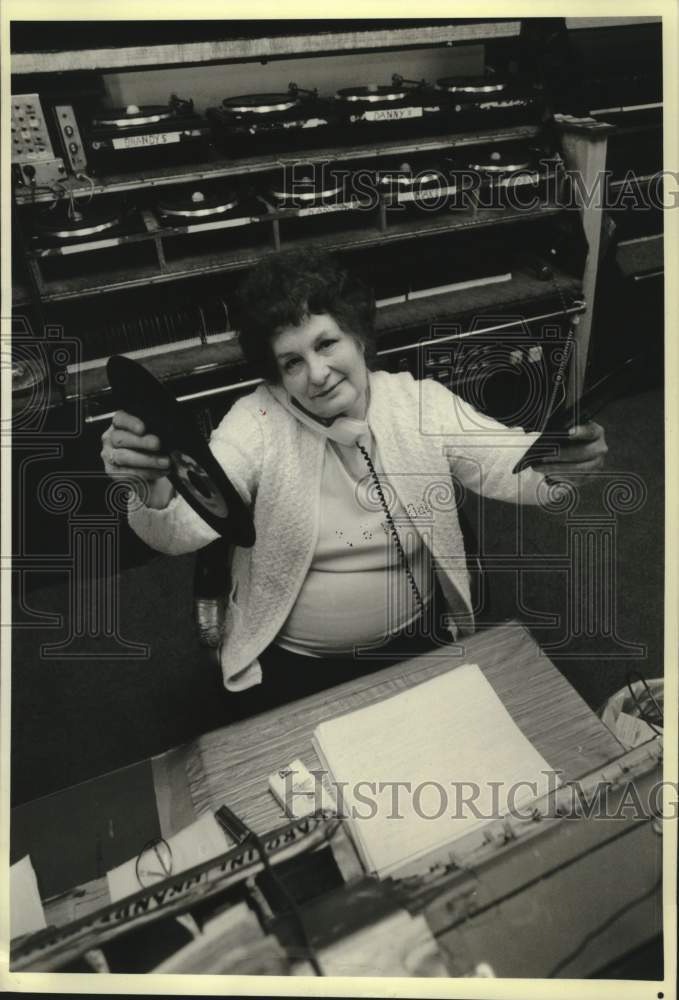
(220, 167)
(235, 260)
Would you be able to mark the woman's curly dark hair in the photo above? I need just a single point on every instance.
(285, 288)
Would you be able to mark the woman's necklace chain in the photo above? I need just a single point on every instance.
(392, 527)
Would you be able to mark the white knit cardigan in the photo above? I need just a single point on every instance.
(424, 434)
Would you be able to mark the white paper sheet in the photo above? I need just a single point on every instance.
(464, 759)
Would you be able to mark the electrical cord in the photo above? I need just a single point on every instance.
(392, 527)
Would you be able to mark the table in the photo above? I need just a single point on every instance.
(232, 764)
(236, 761)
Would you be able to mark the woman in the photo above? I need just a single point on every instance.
(349, 475)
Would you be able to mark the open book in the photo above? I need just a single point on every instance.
(421, 769)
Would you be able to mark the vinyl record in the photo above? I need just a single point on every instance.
(194, 471)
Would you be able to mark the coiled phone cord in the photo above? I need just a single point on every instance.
(392, 527)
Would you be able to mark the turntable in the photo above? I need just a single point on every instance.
(418, 181)
(310, 189)
(315, 199)
(134, 135)
(213, 215)
(387, 109)
(69, 226)
(73, 238)
(66, 225)
(292, 118)
(200, 209)
(501, 163)
(485, 101)
(508, 166)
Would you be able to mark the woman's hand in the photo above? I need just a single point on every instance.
(129, 452)
(584, 452)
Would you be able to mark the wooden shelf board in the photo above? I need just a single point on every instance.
(207, 171)
(443, 222)
(250, 49)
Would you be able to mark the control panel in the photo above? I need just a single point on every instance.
(30, 138)
(32, 151)
(70, 138)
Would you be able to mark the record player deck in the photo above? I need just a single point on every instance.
(300, 118)
(116, 136)
(484, 102)
(276, 120)
(212, 206)
(70, 227)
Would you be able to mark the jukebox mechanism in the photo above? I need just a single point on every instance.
(116, 136)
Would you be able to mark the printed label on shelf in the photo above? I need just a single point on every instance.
(392, 114)
(133, 141)
(114, 241)
(203, 227)
(518, 180)
(427, 194)
(325, 209)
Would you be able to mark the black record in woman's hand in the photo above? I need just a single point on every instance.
(194, 471)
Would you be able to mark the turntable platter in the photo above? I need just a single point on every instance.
(305, 190)
(132, 116)
(198, 204)
(371, 94)
(500, 161)
(405, 176)
(471, 86)
(260, 104)
(62, 223)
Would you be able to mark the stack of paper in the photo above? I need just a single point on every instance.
(427, 766)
